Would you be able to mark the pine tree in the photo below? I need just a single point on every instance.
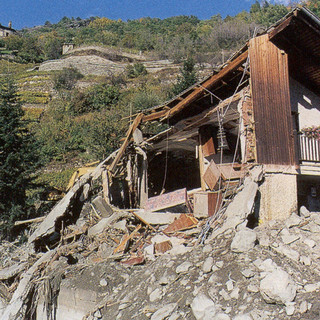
(17, 159)
(187, 78)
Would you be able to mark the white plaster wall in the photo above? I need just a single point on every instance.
(278, 197)
(306, 103)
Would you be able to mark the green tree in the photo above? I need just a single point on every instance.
(187, 78)
(18, 159)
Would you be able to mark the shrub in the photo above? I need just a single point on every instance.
(66, 78)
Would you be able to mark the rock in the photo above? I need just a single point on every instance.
(121, 225)
(207, 265)
(184, 267)
(288, 252)
(203, 308)
(224, 294)
(207, 248)
(293, 221)
(278, 287)
(243, 317)
(253, 288)
(247, 273)
(312, 287)
(103, 282)
(235, 293)
(155, 295)
(243, 241)
(310, 243)
(219, 264)
(229, 285)
(303, 307)
(164, 312)
(221, 316)
(305, 260)
(304, 212)
(102, 207)
(288, 238)
(98, 314)
(289, 308)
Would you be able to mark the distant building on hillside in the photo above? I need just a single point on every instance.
(6, 31)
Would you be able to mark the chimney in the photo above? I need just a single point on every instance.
(10, 24)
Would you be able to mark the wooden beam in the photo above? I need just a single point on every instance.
(121, 151)
(280, 27)
(154, 115)
(198, 92)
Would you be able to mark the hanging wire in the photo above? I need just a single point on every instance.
(166, 163)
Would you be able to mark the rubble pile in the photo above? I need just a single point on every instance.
(131, 264)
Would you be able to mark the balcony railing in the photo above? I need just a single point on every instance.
(309, 148)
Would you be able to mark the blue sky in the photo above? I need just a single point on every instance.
(29, 13)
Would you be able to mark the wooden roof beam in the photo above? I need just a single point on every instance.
(198, 92)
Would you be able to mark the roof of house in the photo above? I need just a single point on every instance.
(298, 34)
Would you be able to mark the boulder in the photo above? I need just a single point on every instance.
(244, 240)
(203, 308)
(278, 287)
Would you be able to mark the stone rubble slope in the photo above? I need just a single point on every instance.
(270, 272)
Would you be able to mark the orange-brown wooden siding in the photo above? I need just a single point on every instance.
(271, 102)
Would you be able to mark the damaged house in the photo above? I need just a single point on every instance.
(241, 147)
(262, 107)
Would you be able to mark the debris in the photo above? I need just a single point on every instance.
(163, 247)
(176, 201)
(244, 240)
(212, 175)
(184, 222)
(229, 173)
(155, 218)
(12, 271)
(206, 204)
(134, 261)
(203, 307)
(122, 246)
(34, 220)
(101, 206)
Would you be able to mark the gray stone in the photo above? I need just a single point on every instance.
(101, 206)
(310, 243)
(288, 238)
(207, 265)
(184, 267)
(312, 287)
(288, 252)
(221, 316)
(243, 317)
(247, 273)
(203, 308)
(290, 308)
(293, 221)
(207, 248)
(243, 241)
(303, 307)
(164, 312)
(155, 295)
(304, 212)
(305, 260)
(278, 287)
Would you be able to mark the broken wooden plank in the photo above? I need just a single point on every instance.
(212, 175)
(142, 219)
(12, 271)
(206, 141)
(16, 307)
(35, 220)
(121, 151)
(184, 222)
(48, 225)
(228, 172)
(168, 201)
(121, 247)
(134, 261)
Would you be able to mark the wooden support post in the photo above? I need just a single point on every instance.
(201, 166)
(121, 151)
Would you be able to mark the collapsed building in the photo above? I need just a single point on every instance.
(257, 109)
